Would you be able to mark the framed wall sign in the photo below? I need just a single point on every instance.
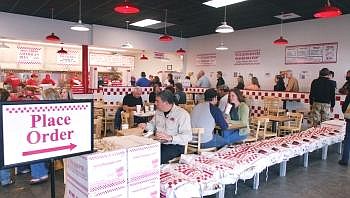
(41, 130)
(169, 67)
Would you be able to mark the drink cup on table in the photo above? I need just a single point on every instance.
(138, 108)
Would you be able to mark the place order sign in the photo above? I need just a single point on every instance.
(45, 130)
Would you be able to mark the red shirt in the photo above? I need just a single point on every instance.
(48, 81)
(31, 82)
(13, 81)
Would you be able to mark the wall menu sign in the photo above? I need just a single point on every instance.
(247, 57)
(206, 59)
(108, 60)
(312, 53)
(47, 130)
(29, 55)
(71, 58)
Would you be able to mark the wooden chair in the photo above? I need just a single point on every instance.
(98, 126)
(188, 108)
(194, 146)
(109, 116)
(177, 159)
(266, 133)
(190, 102)
(292, 126)
(273, 106)
(256, 127)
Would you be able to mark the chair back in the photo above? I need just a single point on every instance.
(272, 105)
(258, 126)
(194, 146)
(298, 120)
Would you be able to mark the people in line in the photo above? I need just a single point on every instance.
(331, 77)
(220, 79)
(202, 80)
(133, 81)
(345, 88)
(292, 84)
(143, 81)
(240, 82)
(207, 115)
(156, 80)
(279, 86)
(152, 95)
(187, 82)
(171, 126)
(180, 95)
(346, 149)
(237, 113)
(254, 85)
(322, 98)
(170, 80)
(223, 97)
(48, 80)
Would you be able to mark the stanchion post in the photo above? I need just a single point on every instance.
(52, 172)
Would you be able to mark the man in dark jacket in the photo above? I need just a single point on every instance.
(322, 97)
(220, 80)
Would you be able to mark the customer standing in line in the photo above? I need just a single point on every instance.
(292, 85)
(345, 157)
(220, 79)
(240, 82)
(203, 81)
(255, 84)
(279, 86)
(344, 89)
(322, 98)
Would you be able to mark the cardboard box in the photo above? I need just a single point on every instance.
(144, 189)
(97, 174)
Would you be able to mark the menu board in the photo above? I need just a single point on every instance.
(99, 59)
(159, 55)
(206, 59)
(70, 58)
(247, 57)
(29, 55)
(312, 54)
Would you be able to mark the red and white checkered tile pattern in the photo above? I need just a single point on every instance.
(258, 96)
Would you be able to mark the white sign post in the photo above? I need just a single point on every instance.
(42, 130)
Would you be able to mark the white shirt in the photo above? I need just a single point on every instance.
(203, 82)
(223, 103)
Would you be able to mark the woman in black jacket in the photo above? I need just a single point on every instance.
(345, 158)
(279, 84)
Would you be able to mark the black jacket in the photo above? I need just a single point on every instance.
(322, 91)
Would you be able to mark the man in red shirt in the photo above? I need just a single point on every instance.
(48, 80)
(13, 81)
(33, 81)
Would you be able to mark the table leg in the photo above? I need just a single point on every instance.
(324, 152)
(221, 193)
(274, 126)
(306, 160)
(340, 146)
(256, 181)
(284, 104)
(283, 168)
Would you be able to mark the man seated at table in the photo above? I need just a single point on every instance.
(171, 125)
(206, 115)
(131, 100)
(223, 94)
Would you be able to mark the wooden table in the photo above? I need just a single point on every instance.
(276, 120)
(236, 126)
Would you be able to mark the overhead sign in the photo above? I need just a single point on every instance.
(29, 55)
(116, 60)
(41, 130)
(206, 59)
(247, 57)
(312, 54)
(70, 58)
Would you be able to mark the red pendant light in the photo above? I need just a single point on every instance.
(62, 51)
(181, 52)
(143, 57)
(281, 40)
(328, 11)
(126, 8)
(53, 38)
(165, 37)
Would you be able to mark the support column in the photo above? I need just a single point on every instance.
(306, 160)
(85, 68)
(256, 181)
(340, 147)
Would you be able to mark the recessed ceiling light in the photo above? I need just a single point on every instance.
(145, 22)
(221, 3)
(287, 16)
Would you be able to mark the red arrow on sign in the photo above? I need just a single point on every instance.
(70, 146)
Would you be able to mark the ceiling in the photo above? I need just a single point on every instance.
(189, 16)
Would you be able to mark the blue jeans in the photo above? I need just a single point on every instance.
(346, 149)
(217, 141)
(5, 176)
(232, 136)
(38, 170)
